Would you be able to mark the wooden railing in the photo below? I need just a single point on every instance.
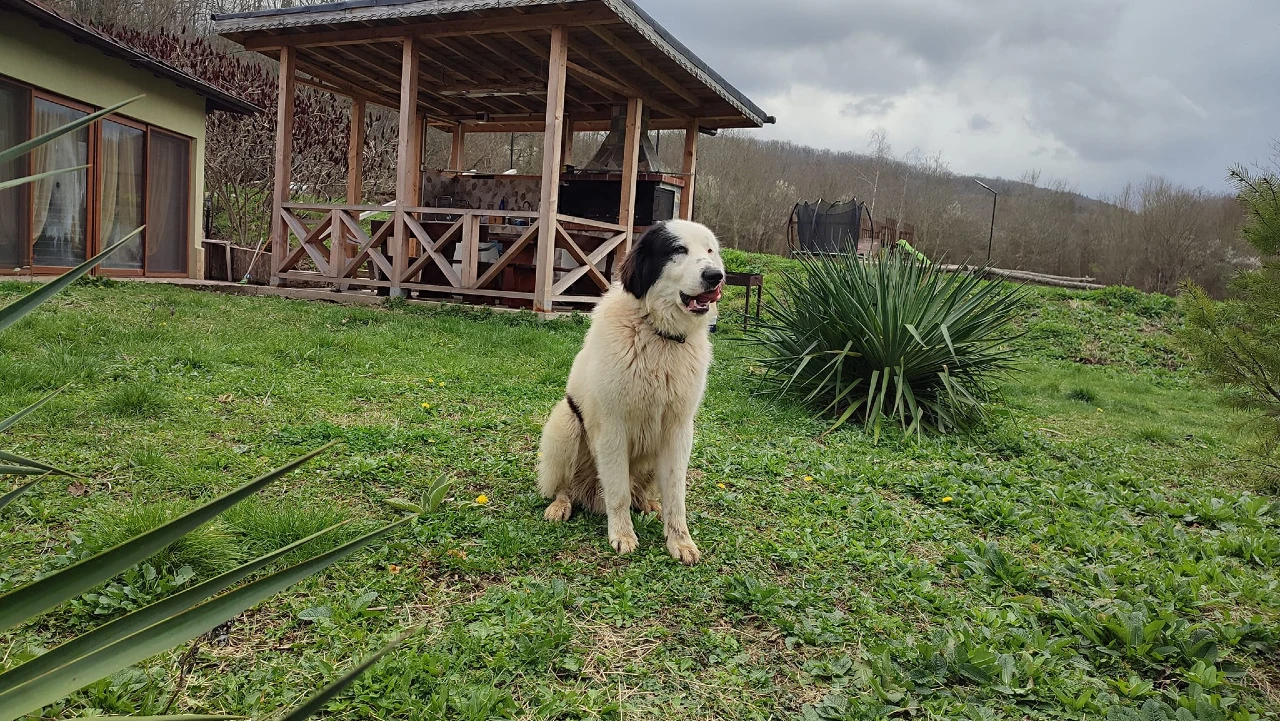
(358, 246)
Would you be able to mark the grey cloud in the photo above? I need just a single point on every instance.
(1107, 88)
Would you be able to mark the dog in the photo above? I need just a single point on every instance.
(625, 427)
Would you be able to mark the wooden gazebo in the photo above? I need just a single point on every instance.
(472, 66)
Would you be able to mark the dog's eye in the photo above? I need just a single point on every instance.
(679, 250)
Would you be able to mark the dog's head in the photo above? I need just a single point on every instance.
(676, 264)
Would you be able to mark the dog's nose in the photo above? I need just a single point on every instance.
(712, 277)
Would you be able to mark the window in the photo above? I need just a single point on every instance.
(15, 112)
(137, 175)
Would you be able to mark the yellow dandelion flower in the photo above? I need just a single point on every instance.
(482, 500)
(430, 381)
(946, 499)
(808, 479)
(426, 406)
(720, 486)
(1099, 410)
(432, 441)
(539, 454)
(393, 568)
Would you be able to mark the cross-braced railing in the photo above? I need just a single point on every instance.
(471, 253)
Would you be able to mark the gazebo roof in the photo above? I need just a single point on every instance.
(485, 62)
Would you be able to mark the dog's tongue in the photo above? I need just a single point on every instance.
(711, 296)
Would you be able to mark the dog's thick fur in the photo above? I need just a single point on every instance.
(625, 428)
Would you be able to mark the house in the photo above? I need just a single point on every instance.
(548, 242)
(146, 163)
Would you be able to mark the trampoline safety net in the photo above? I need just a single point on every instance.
(825, 227)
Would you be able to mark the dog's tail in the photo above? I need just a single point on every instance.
(561, 441)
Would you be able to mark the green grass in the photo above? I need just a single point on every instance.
(1085, 551)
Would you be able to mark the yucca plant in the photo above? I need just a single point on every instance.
(889, 338)
(176, 619)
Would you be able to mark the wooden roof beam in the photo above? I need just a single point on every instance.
(532, 69)
(480, 64)
(629, 53)
(591, 77)
(590, 16)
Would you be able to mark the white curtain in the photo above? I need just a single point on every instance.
(120, 213)
(60, 213)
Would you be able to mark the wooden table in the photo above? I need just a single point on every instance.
(748, 281)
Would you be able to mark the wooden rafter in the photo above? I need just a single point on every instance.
(630, 54)
(479, 63)
(437, 29)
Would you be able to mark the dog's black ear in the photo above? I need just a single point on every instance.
(644, 264)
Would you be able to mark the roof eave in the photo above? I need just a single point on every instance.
(215, 98)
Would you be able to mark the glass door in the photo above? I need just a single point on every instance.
(168, 203)
(121, 177)
(60, 203)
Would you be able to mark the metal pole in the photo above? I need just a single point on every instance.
(991, 237)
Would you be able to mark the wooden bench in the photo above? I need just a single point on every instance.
(748, 281)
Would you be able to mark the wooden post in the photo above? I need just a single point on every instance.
(405, 160)
(355, 154)
(458, 153)
(283, 163)
(418, 148)
(630, 169)
(552, 147)
(690, 169)
(355, 171)
(566, 153)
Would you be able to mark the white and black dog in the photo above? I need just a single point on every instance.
(625, 427)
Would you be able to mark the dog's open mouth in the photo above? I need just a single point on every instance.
(700, 304)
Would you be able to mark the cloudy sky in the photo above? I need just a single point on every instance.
(1097, 92)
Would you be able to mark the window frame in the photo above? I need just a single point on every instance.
(93, 233)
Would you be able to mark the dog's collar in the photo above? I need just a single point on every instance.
(663, 334)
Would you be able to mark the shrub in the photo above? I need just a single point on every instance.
(891, 338)
(1238, 341)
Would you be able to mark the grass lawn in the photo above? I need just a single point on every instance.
(1091, 549)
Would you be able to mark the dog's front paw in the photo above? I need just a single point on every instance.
(684, 551)
(559, 510)
(624, 543)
